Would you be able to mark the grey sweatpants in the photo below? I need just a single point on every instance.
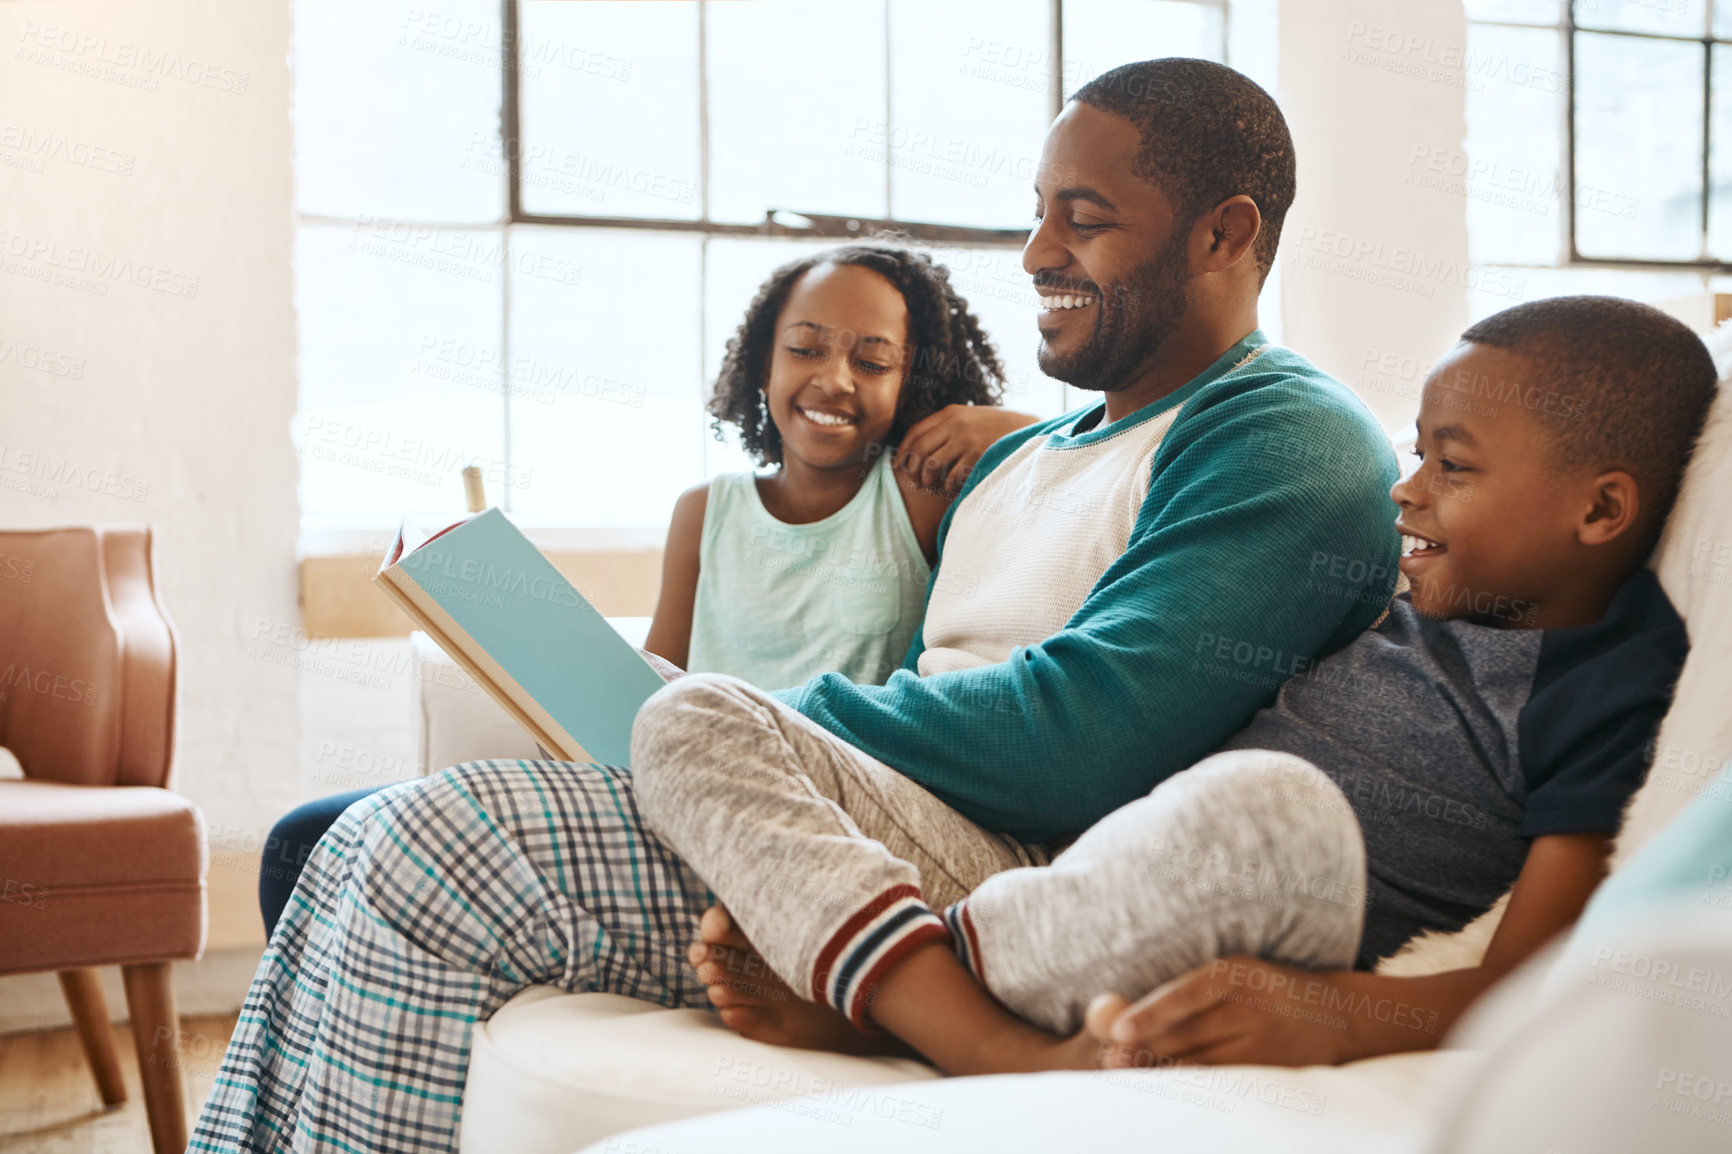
(834, 864)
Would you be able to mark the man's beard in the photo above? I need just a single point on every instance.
(1144, 310)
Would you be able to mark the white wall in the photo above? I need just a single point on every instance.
(1374, 270)
(144, 170)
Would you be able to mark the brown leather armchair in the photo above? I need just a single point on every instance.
(100, 864)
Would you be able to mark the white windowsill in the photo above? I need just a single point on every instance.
(337, 542)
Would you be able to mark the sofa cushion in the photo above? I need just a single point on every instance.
(455, 719)
(552, 1071)
(1381, 1106)
(1621, 1046)
(1690, 864)
(1694, 563)
(96, 875)
(1615, 1038)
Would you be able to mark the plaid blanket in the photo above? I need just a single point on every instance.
(422, 911)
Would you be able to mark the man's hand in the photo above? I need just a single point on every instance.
(940, 451)
(1228, 1011)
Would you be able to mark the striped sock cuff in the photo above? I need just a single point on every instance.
(961, 925)
(867, 946)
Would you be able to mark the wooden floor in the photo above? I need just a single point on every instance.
(49, 1104)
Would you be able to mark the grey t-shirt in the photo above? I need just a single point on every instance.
(1457, 742)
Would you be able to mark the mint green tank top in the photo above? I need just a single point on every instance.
(779, 604)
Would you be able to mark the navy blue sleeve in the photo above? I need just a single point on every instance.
(1600, 692)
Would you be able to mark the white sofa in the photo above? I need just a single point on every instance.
(1585, 1067)
(551, 1072)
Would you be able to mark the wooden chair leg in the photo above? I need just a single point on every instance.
(156, 1034)
(83, 990)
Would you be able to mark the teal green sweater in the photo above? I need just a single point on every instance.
(1266, 539)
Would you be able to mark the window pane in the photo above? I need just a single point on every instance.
(1720, 157)
(796, 108)
(969, 89)
(1666, 17)
(606, 420)
(610, 109)
(1100, 35)
(396, 110)
(399, 358)
(1723, 17)
(1639, 134)
(1518, 11)
(1510, 168)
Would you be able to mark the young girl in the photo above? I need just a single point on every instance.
(821, 565)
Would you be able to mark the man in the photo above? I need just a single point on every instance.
(1117, 591)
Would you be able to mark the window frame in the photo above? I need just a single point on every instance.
(1567, 26)
(822, 226)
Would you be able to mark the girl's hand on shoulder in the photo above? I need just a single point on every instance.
(1232, 1010)
(940, 451)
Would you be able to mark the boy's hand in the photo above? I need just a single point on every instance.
(1247, 1010)
(1227, 1011)
(940, 451)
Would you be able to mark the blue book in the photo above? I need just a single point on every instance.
(498, 606)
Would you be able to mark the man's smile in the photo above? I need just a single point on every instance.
(1057, 308)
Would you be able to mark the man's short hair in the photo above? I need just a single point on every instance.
(1208, 133)
(1632, 386)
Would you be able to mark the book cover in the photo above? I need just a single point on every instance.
(498, 606)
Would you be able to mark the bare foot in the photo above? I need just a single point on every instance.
(756, 1004)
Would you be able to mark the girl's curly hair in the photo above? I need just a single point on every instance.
(950, 360)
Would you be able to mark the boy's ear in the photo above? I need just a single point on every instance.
(1615, 504)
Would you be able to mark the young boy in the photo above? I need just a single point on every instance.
(1487, 731)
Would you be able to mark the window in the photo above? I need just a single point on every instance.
(526, 231)
(1606, 120)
